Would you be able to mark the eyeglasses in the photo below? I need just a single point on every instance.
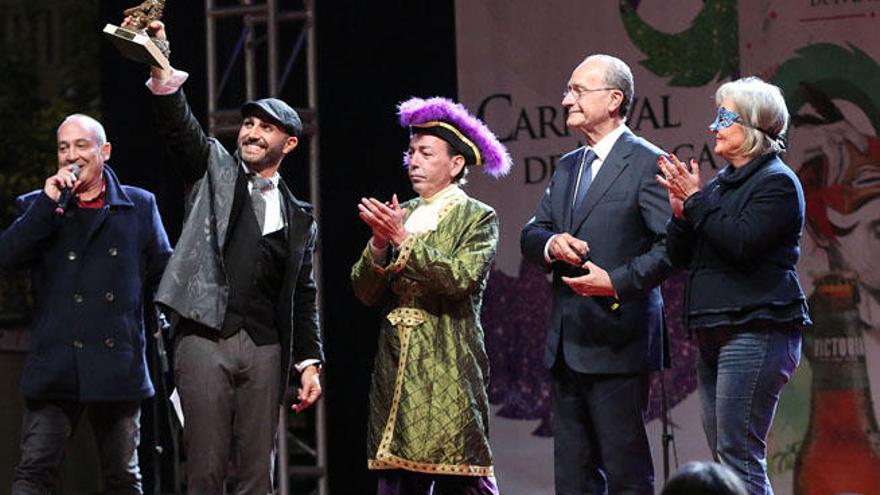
(578, 91)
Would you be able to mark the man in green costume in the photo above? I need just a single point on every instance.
(427, 264)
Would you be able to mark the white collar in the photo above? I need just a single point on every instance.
(447, 191)
(426, 215)
(603, 147)
(276, 177)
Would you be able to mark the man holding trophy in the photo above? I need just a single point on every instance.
(239, 288)
(132, 39)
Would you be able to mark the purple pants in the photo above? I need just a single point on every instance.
(399, 482)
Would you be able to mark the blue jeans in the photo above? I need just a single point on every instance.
(48, 425)
(740, 375)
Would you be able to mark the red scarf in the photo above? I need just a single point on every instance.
(96, 202)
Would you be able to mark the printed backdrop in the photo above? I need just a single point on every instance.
(514, 58)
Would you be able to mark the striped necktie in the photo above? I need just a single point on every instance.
(586, 178)
(258, 202)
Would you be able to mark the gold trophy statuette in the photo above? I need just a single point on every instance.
(132, 40)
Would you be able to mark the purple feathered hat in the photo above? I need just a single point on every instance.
(452, 122)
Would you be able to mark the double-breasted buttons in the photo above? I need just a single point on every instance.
(112, 251)
(109, 343)
(109, 296)
(78, 298)
(71, 255)
(78, 344)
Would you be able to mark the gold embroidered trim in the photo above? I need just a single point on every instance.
(390, 461)
(403, 256)
(388, 431)
(407, 246)
(464, 139)
(406, 317)
(448, 207)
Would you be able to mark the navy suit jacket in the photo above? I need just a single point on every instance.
(87, 337)
(623, 219)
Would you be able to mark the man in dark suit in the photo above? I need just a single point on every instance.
(93, 262)
(239, 287)
(600, 228)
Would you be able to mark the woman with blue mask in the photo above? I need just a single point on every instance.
(738, 235)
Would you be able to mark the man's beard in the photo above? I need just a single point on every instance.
(270, 157)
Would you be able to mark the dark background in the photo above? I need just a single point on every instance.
(371, 55)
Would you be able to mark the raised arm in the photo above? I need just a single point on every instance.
(181, 132)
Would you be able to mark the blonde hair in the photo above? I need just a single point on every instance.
(762, 108)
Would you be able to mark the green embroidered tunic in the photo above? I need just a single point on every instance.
(429, 411)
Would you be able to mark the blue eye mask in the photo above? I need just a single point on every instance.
(725, 119)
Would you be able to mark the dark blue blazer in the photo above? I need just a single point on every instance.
(623, 219)
(87, 336)
(740, 243)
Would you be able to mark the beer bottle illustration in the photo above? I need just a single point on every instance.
(841, 451)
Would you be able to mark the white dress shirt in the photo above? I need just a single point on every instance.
(601, 149)
(274, 219)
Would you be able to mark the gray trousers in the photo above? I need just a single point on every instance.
(229, 393)
(48, 425)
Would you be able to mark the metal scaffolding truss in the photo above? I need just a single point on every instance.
(254, 61)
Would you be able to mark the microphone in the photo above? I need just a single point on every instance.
(162, 327)
(66, 193)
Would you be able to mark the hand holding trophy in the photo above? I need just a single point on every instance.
(132, 39)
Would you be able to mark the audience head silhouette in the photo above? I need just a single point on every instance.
(704, 478)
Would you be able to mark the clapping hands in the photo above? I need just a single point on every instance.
(679, 180)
